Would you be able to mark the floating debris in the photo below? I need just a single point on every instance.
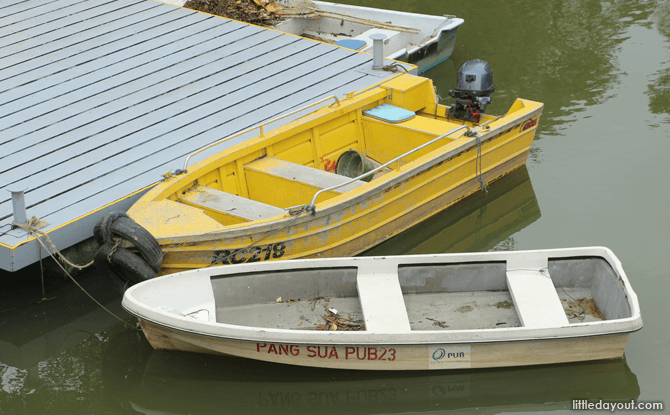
(504, 304)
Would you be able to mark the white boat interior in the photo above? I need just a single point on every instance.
(458, 296)
(504, 295)
(405, 32)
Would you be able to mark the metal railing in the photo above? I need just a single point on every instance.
(253, 127)
(311, 207)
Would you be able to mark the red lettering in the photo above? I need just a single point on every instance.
(283, 349)
(272, 349)
(295, 350)
(260, 346)
(328, 165)
(325, 351)
(333, 352)
(392, 351)
(370, 356)
(310, 351)
(347, 351)
(383, 354)
(365, 351)
(529, 124)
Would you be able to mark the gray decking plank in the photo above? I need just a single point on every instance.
(123, 44)
(83, 18)
(151, 157)
(47, 103)
(49, 125)
(170, 117)
(125, 183)
(42, 14)
(88, 52)
(90, 26)
(12, 8)
(188, 79)
(288, 102)
(78, 162)
(121, 136)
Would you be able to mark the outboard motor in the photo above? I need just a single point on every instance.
(474, 87)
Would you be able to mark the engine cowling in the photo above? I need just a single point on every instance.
(474, 87)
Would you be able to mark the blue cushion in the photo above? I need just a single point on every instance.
(390, 113)
(351, 44)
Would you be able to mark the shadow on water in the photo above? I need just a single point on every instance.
(475, 224)
(142, 380)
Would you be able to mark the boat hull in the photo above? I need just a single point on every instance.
(416, 312)
(397, 357)
(430, 40)
(371, 219)
(350, 230)
(432, 54)
(414, 188)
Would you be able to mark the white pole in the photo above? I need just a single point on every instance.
(377, 49)
(19, 206)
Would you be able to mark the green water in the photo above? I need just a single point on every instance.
(597, 175)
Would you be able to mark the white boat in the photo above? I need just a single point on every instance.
(443, 311)
(420, 39)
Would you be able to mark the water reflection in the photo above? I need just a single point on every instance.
(658, 89)
(70, 354)
(476, 224)
(50, 349)
(44, 330)
(142, 380)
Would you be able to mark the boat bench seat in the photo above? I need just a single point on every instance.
(240, 208)
(272, 180)
(382, 303)
(535, 299)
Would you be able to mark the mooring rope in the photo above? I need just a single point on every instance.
(114, 248)
(32, 228)
(478, 165)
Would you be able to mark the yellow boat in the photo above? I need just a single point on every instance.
(279, 195)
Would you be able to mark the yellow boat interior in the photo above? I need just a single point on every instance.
(260, 178)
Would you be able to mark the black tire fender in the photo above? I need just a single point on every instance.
(121, 266)
(102, 231)
(122, 226)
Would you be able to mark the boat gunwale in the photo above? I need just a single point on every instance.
(247, 333)
(344, 200)
(455, 21)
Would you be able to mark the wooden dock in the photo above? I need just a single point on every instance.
(98, 99)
